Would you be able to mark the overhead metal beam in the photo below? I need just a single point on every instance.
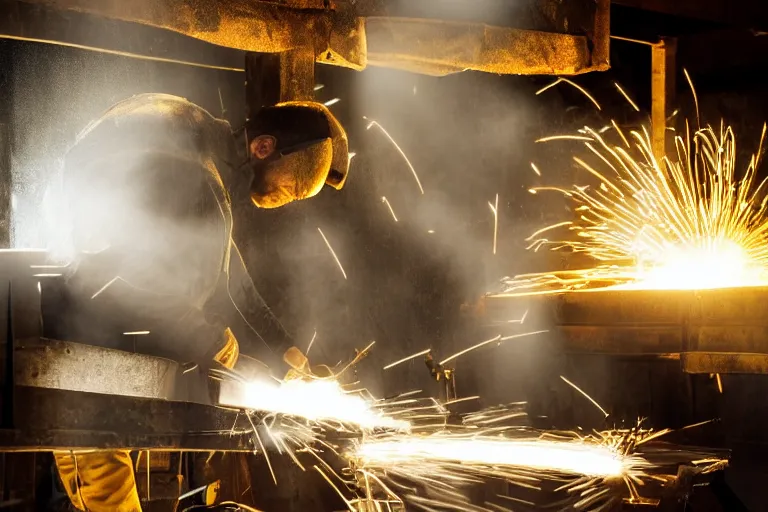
(339, 37)
(439, 48)
(38, 23)
(244, 25)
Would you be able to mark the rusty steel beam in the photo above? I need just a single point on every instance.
(341, 37)
(440, 48)
(243, 25)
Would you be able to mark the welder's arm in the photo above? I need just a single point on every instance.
(252, 319)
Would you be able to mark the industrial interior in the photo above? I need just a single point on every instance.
(383, 255)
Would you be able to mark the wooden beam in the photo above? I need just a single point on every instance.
(663, 86)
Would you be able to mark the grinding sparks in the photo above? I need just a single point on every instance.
(399, 150)
(332, 102)
(406, 359)
(496, 339)
(311, 342)
(626, 97)
(386, 202)
(537, 454)
(577, 388)
(435, 471)
(403, 452)
(321, 400)
(689, 221)
(333, 253)
(495, 211)
(574, 85)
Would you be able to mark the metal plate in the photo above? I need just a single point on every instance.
(55, 419)
(715, 331)
(54, 364)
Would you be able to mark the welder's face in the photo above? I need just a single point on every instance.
(279, 179)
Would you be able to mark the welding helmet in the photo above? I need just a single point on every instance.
(296, 148)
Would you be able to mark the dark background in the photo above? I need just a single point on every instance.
(469, 137)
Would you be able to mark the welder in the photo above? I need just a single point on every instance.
(149, 189)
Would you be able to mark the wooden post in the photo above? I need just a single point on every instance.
(663, 88)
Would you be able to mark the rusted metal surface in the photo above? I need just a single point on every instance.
(573, 17)
(712, 331)
(71, 366)
(39, 23)
(297, 75)
(439, 48)
(571, 41)
(244, 25)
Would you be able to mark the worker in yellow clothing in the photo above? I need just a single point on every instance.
(149, 189)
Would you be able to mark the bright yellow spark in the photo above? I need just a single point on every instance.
(406, 359)
(690, 221)
(498, 338)
(460, 400)
(386, 202)
(626, 97)
(104, 288)
(399, 150)
(572, 84)
(577, 388)
(535, 169)
(583, 91)
(313, 400)
(333, 253)
(311, 342)
(581, 138)
(495, 210)
(568, 457)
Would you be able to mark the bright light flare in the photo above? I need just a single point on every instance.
(318, 400)
(579, 458)
(691, 221)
